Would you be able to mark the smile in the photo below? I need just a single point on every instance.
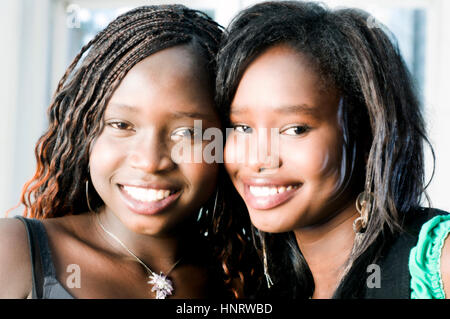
(146, 200)
(265, 197)
(259, 191)
(147, 194)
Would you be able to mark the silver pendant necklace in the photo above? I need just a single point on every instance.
(161, 284)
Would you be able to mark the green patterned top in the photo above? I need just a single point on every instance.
(425, 257)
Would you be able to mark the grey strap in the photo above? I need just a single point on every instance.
(41, 260)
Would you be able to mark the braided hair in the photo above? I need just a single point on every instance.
(75, 120)
(76, 111)
(383, 127)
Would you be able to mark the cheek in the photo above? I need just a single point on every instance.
(315, 158)
(104, 159)
(235, 147)
(201, 177)
(233, 157)
(229, 155)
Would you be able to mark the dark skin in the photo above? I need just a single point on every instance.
(279, 89)
(143, 120)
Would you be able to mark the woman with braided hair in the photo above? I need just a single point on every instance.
(110, 213)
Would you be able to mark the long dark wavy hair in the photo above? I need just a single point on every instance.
(76, 111)
(383, 127)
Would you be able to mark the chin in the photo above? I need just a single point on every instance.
(269, 224)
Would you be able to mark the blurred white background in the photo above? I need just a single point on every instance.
(40, 38)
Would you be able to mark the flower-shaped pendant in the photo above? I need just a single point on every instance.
(161, 284)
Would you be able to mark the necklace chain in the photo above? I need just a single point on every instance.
(131, 253)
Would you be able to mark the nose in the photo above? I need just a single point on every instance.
(264, 167)
(264, 155)
(150, 154)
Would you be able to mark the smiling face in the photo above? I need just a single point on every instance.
(280, 90)
(153, 109)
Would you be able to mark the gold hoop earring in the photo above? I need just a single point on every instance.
(215, 203)
(205, 212)
(266, 267)
(213, 214)
(363, 206)
(87, 197)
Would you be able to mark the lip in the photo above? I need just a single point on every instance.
(154, 185)
(149, 208)
(269, 201)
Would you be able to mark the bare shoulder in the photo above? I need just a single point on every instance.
(69, 226)
(15, 261)
(445, 266)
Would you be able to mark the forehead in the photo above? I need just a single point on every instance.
(181, 60)
(166, 67)
(171, 78)
(282, 77)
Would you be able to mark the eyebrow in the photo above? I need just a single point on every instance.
(126, 107)
(284, 109)
(176, 114)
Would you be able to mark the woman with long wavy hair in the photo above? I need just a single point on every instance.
(336, 203)
(109, 212)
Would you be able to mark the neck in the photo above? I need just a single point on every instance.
(326, 248)
(159, 253)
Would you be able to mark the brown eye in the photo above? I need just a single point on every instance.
(296, 130)
(120, 125)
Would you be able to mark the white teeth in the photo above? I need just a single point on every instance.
(146, 194)
(269, 191)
